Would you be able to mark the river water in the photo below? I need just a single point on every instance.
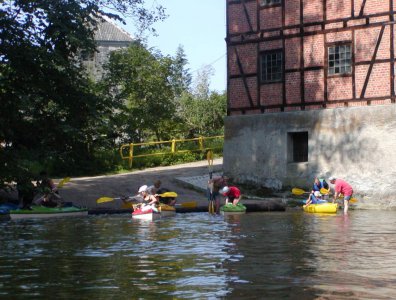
(274, 255)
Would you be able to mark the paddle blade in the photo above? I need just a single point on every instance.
(63, 181)
(297, 191)
(191, 204)
(168, 195)
(104, 200)
(323, 191)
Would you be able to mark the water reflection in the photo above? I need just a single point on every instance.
(198, 256)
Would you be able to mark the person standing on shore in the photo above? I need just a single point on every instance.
(342, 188)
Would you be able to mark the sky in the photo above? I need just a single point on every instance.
(200, 27)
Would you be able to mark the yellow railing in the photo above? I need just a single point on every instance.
(168, 147)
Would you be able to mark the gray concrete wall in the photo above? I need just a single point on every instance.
(357, 144)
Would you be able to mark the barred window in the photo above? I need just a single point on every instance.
(340, 59)
(271, 66)
(269, 2)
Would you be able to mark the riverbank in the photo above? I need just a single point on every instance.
(189, 180)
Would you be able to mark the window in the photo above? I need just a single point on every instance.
(269, 2)
(340, 60)
(298, 146)
(271, 66)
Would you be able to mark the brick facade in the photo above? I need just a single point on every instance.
(304, 31)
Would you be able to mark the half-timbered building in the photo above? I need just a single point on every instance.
(311, 91)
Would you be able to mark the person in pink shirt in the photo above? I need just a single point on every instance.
(342, 188)
(231, 193)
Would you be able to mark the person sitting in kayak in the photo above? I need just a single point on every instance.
(232, 193)
(319, 183)
(150, 201)
(315, 198)
(47, 187)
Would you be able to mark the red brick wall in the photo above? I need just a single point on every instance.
(307, 78)
(314, 50)
(238, 94)
(339, 88)
(292, 53)
(314, 86)
(271, 94)
(336, 9)
(237, 20)
(313, 10)
(292, 12)
(293, 91)
(271, 18)
(248, 57)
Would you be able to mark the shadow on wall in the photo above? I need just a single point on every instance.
(344, 142)
(339, 148)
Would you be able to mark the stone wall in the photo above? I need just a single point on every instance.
(357, 144)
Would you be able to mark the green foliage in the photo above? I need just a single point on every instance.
(52, 116)
(203, 117)
(138, 79)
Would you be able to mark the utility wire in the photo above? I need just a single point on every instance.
(212, 63)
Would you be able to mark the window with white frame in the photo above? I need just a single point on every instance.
(340, 59)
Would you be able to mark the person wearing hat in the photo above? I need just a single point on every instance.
(150, 201)
(341, 187)
(314, 198)
(232, 193)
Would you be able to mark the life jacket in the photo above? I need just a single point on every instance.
(322, 184)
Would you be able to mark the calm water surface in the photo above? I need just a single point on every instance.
(286, 255)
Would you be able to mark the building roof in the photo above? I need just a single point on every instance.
(109, 31)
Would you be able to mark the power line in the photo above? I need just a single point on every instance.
(212, 63)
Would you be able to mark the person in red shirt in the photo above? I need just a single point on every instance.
(232, 193)
(342, 188)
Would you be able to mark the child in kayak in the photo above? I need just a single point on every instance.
(315, 198)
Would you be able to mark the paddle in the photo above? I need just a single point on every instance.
(109, 199)
(63, 182)
(209, 157)
(323, 191)
(299, 192)
(192, 204)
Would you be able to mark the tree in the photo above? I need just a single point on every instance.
(139, 80)
(51, 113)
(181, 78)
(202, 82)
(201, 111)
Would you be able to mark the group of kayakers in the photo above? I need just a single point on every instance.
(149, 197)
(321, 188)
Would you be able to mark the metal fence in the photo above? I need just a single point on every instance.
(176, 146)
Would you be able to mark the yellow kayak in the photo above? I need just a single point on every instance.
(329, 208)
